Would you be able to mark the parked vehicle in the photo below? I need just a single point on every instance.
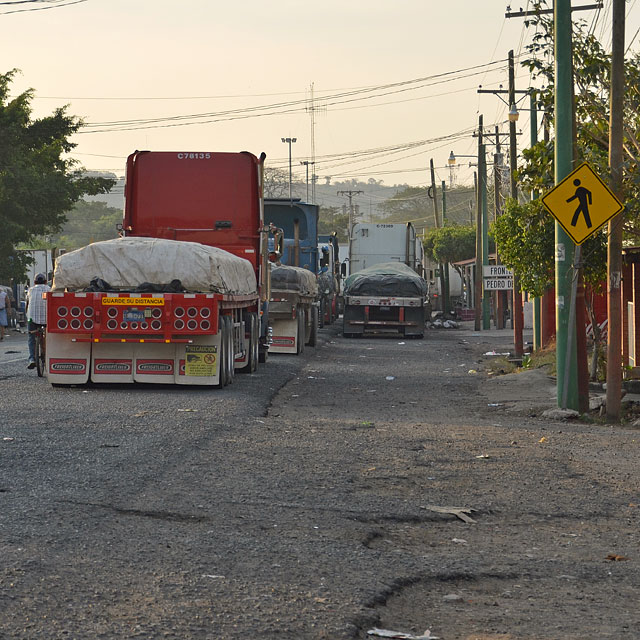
(183, 296)
(293, 309)
(386, 290)
(294, 306)
(329, 279)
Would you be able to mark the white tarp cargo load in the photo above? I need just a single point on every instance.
(286, 278)
(127, 263)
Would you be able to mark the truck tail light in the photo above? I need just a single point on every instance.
(62, 324)
(156, 313)
(62, 312)
(88, 312)
(192, 312)
(205, 312)
(88, 324)
(75, 323)
(205, 325)
(75, 312)
(112, 312)
(112, 324)
(156, 325)
(178, 312)
(179, 324)
(192, 325)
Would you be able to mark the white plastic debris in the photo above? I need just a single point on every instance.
(390, 378)
(386, 633)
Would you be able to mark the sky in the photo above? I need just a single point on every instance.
(385, 86)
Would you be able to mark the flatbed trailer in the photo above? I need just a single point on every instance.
(163, 338)
(404, 315)
(294, 320)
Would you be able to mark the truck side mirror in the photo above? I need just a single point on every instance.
(343, 269)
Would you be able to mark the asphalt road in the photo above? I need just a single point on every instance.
(305, 501)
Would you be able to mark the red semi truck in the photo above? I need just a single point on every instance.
(189, 337)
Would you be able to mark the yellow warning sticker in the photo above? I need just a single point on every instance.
(150, 302)
(200, 360)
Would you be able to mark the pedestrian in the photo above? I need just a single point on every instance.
(5, 307)
(36, 313)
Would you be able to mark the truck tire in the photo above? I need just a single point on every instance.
(315, 320)
(302, 331)
(223, 371)
(255, 347)
(231, 351)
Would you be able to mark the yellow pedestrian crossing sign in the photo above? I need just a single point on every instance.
(582, 203)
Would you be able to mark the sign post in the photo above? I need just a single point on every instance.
(582, 204)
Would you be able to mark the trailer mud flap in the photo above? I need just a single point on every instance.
(112, 362)
(67, 362)
(285, 336)
(155, 363)
(198, 363)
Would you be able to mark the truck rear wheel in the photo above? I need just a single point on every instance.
(230, 349)
(313, 338)
(253, 347)
(302, 331)
(223, 371)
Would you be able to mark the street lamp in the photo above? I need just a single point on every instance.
(513, 113)
(289, 141)
(306, 163)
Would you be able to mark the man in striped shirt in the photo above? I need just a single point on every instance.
(36, 313)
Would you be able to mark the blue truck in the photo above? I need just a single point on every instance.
(294, 305)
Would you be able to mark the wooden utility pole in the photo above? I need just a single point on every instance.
(516, 308)
(478, 281)
(614, 250)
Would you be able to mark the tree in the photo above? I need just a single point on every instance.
(276, 183)
(408, 204)
(88, 222)
(38, 185)
(332, 219)
(448, 245)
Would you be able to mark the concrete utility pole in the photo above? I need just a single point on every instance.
(349, 193)
(289, 141)
(566, 352)
(306, 164)
(614, 250)
(434, 195)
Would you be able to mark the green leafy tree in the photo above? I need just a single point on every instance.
(88, 222)
(38, 185)
(448, 245)
(408, 204)
(332, 219)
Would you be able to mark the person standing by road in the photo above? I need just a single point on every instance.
(5, 307)
(36, 313)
